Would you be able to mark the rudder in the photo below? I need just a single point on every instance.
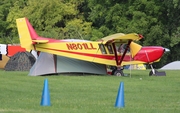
(26, 33)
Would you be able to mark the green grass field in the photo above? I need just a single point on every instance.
(20, 93)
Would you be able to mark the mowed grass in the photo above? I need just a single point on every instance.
(20, 93)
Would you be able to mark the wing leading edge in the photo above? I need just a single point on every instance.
(122, 37)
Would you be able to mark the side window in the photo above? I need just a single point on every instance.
(102, 48)
(110, 49)
(122, 48)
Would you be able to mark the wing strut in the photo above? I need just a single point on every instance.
(115, 53)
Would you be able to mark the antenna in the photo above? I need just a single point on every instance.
(80, 35)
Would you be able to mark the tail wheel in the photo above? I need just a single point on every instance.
(118, 73)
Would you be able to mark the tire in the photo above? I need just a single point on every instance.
(113, 68)
(118, 73)
(151, 73)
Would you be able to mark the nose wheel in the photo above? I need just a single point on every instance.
(155, 72)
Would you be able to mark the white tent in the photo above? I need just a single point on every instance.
(172, 66)
(52, 64)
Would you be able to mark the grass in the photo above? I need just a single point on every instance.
(20, 93)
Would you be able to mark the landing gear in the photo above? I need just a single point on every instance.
(155, 72)
(117, 71)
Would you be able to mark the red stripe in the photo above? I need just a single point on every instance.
(102, 56)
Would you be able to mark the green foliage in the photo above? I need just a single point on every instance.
(51, 18)
(14, 13)
(78, 29)
(5, 32)
(175, 37)
(96, 34)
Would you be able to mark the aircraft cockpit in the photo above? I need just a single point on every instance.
(108, 48)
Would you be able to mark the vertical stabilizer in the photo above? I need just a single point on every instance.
(26, 33)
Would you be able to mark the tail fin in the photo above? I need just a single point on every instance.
(134, 47)
(26, 33)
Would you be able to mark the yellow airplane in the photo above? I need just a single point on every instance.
(115, 50)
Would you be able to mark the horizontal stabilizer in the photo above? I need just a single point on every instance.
(40, 41)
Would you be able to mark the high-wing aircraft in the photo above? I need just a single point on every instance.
(115, 50)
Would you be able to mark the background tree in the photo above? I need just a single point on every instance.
(172, 23)
(51, 18)
(5, 32)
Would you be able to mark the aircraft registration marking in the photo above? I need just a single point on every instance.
(79, 46)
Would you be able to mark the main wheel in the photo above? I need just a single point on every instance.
(113, 68)
(118, 73)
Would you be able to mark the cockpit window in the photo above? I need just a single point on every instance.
(110, 49)
(102, 48)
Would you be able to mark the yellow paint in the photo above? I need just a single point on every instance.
(134, 48)
(62, 50)
(24, 36)
(40, 41)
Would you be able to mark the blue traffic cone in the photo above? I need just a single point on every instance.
(45, 99)
(120, 96)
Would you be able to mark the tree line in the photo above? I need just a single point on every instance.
(157, 20)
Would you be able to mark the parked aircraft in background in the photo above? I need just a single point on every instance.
(9, 49)
(115, 50)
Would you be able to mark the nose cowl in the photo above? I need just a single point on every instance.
(150, 53)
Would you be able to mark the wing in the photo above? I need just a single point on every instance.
(120, 37)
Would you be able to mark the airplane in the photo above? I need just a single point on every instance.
(114, 50)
